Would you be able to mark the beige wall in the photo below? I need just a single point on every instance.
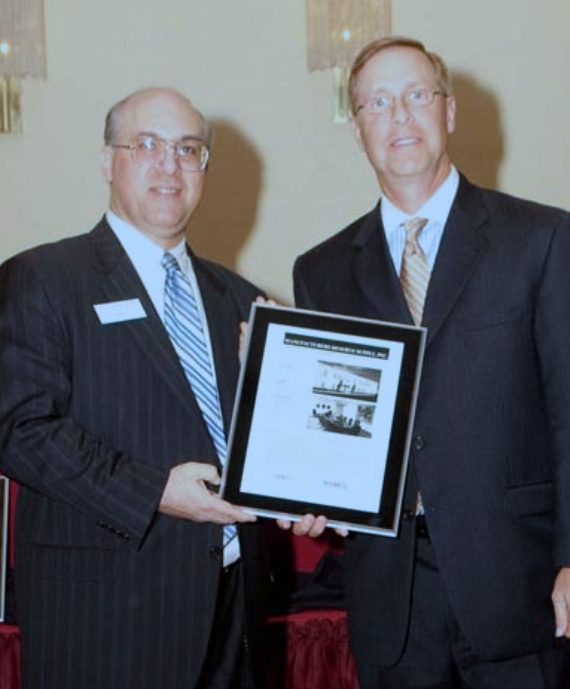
(283, 175)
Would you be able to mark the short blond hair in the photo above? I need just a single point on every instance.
(380, 44)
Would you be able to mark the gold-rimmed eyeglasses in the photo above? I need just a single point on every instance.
(384, 101)
(192, 154)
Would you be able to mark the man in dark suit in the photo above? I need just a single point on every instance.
(462, 597)
(122, 580)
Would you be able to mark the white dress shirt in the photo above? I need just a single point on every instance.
(435, 210)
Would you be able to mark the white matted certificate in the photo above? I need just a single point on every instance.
(323, 416)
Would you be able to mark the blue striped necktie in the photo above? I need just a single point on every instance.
(184, 326)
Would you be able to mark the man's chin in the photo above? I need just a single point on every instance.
(164, 234)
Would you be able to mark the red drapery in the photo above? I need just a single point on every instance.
(9, 656)
(317, 655)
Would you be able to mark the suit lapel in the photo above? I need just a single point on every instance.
(461, 245)
(122, 282)
(374, 271)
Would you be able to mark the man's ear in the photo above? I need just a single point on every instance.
(356, 131)
(106, 158)
(450, 111)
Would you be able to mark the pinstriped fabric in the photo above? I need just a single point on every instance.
(184, 326)
(92, 418)
(415, 270)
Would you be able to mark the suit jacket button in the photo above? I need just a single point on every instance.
(418, 443)
(216, 553)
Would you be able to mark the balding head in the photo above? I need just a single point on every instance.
(113, 118)
(152, 189)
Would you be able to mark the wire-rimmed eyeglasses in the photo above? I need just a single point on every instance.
(192, 154)
(384, 101)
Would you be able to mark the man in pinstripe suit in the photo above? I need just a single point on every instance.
(122, 581)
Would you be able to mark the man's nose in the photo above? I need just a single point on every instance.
(170, 162)
(400, 110)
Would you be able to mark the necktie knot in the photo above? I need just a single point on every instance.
(413, 229)
(169, 263)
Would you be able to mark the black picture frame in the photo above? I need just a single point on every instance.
(361, 377)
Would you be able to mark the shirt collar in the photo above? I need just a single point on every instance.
(181, 255)
(144, 253)
(140, 249)
(436, 209)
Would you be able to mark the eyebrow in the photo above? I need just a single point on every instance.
(186, 137)
(411, 87)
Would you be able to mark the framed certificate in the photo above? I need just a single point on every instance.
(4, 499)
(323, 417)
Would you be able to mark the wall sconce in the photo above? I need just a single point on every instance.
(22, 54)
(336, 31)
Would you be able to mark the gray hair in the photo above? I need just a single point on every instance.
(113, 117)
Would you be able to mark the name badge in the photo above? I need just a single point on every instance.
(119, 311)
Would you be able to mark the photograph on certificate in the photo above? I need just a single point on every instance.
(314, 418)
(318, 415)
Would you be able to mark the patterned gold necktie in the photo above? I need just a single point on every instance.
(414, 278)
(415, 270)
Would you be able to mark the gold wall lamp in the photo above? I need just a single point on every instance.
(336, 31)
(22, 54)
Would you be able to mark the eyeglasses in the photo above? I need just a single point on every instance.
(150, 150)
(383, 102)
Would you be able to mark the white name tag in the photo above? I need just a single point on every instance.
(119, 311)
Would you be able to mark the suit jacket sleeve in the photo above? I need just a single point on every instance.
(41, 445)
(552, 337)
